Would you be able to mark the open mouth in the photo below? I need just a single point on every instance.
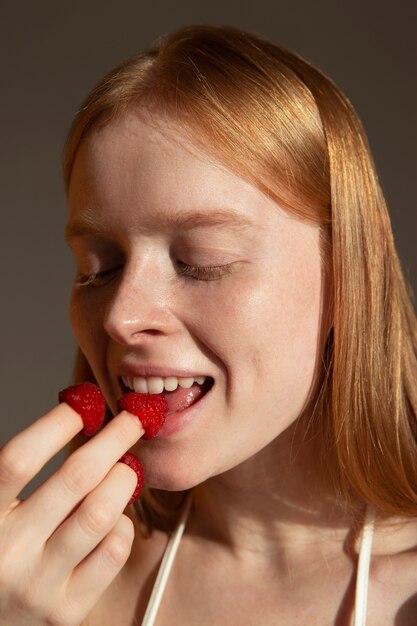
(180, 393)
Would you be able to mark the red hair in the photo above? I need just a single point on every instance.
(278, 122)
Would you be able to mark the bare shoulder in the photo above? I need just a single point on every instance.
(393, 578)
(128, 594)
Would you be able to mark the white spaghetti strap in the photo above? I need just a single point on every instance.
(166, 566)
(362, 577)
(364, 562)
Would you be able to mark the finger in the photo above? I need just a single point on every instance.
(89, 524)
(25, 455)
(53, 501)
(92, 577)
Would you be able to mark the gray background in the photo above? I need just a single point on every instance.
(53, 51)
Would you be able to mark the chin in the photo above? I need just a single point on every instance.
(172, 474)
(172, 482)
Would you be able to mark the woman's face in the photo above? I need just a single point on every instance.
(203, 275)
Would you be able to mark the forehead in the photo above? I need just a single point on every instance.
(152, 168)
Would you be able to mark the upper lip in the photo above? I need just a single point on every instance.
(164, 372)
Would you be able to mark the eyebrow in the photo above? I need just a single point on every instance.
(185, 221)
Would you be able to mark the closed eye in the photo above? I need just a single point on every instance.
(201, 272)
(98, 278)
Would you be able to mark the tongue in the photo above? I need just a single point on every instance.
(181, 398)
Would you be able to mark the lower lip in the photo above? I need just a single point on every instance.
(175, 422)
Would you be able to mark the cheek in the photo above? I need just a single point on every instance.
(259, 321)
(266, 333)
(282, 353)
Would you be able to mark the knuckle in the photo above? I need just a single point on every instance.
(117, 550)
(95, 518)
(14, 465)
(79, 474)
(67, 612)
(26, 600)
(62, 545)
(60, 618)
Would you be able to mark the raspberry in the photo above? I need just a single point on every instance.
(132, 461)
(150, 409)
(88, 401)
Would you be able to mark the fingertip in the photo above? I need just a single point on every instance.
(66, 412)
(135, 420)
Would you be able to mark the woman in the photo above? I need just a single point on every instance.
(232, 243)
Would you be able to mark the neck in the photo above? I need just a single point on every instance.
(276, 504)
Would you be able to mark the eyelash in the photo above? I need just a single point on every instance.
(205, 273)
(93, 280)
(197, 272)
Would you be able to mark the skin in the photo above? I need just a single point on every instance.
(255, 328)
(258, 330)
(263, 519)
(64, 545)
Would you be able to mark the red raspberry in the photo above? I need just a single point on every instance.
(150, 409)
(132, 461)
(88, 401)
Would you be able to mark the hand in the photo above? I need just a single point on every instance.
(61, 547)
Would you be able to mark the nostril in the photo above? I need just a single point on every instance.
(133, 331)
(150, 331)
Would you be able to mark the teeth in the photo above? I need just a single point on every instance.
(140, 385)
(157, 384)
(185, 382)
(171, 383)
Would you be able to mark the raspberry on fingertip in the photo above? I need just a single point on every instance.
(150, 409)
(87, 400)
(132, 461)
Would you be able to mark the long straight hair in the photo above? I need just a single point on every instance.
(281, 124)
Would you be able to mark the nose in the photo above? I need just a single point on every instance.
(139, 309)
